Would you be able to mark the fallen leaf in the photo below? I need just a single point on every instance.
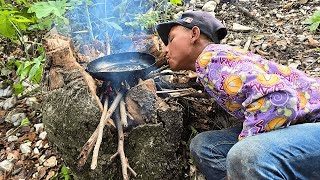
(312, 42)
(288, 6)
(303, 1)
(262, 52)
(50, 175)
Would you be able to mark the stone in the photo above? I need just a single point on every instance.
(210, 6)
(241, 28)
(9, 103)
(38, 127)
(36, 151)
(51, 162)
(43, 135)
(6, 92)
(25, 148)
(15, 119)
(12, 138)
(6, 165)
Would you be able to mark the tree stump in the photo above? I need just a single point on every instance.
(72, 110)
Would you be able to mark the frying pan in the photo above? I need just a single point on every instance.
(129, 66)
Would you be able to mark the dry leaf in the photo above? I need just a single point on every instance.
(312, 42)
(288, 6)
(262, 52)
(50, 175)
(303, 1)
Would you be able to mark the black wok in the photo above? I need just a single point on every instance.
(129, 66)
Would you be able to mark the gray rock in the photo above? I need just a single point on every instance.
(6, 92)
(12, 138)
(9, 103)
(210, 6)
(6, 165)
(15, 119)
(51, 162)
(43, 135)
(25, 148)
(239, 27)
(38, 127)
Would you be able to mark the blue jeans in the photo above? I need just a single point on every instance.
(289, 153)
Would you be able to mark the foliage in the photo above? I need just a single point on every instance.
(176, 1)
(32, 70)
(313, 21)
(64, 174)
(12, 22)
(47, 13)
(25, 122)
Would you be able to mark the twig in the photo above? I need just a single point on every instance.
(124, 161)
(173, 90)
(123, 113)
(191, 94)
(105, 115)
(88, 146)
(247, 13)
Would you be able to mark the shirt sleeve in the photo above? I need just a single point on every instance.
(266, 101)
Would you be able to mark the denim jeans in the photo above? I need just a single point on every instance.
(288, 153)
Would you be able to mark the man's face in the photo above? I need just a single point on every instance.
(179, 48)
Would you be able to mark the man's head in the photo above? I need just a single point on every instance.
(186, 37)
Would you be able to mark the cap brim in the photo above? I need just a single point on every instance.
(163, 30)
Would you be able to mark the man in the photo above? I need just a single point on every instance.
(266, 96)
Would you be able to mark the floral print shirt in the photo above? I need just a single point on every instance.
(262, 93)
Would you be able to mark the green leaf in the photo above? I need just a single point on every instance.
(35, 67)
(176, 1)
(18, 88)
(25, 122)
(65, 172)
(314, 26)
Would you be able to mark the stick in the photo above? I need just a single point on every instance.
(123, 113)
(173, 90)
(124, 161)
(105, 115)
(247, 13)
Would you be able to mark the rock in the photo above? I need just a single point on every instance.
(6, 92)
(239, 27)
(210, 6)
(301, 37)
(15, 119)
(51, 162)
(6, 165)
(13, 156)
(12, 138)
(42, 159)
(39, 144)
(43, 135)
(32, 101)
(25, 148)
(36, 151)
(9, 103)
(38, 127)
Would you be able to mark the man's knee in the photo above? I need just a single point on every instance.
(196, 145)
(243, 157)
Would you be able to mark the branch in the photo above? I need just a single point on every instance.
(105, 115)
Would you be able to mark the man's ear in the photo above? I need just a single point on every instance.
(195, 33)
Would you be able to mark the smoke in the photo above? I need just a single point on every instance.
(101, 22)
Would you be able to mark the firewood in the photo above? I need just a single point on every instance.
(106, 115)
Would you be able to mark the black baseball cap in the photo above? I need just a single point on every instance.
(207, 23)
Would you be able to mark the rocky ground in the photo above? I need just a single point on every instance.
(273, 29)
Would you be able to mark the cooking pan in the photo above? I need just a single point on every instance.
(129, 66)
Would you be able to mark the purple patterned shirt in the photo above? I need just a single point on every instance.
(262, 93)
